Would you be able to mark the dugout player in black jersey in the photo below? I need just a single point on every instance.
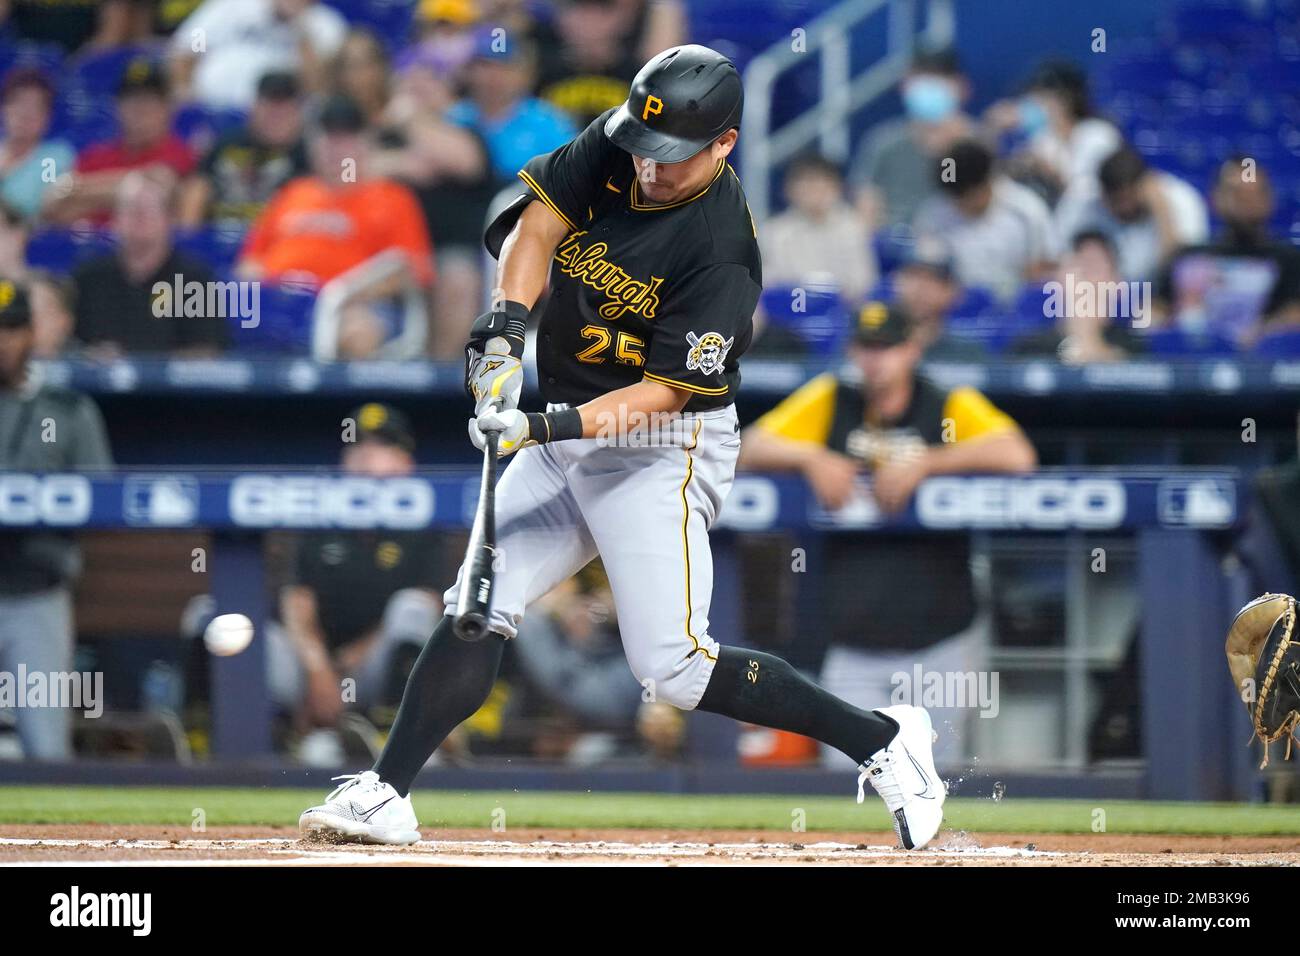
(642, 228)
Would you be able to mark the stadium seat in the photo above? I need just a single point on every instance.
(101, 71)
(389, 19)
(199, 125)
(815, 316)
(284, 322)
(1284, 343)
(1173, 343)
(59, 250)
(217, 245)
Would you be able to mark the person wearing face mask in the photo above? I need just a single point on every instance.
(891, 170)
(1064, 142)
(1245, 275)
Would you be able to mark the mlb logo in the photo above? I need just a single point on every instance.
(1196, 502)
(162, 501)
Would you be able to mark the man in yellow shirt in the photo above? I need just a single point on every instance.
(890, 602)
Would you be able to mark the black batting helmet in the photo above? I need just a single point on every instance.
(681, 101)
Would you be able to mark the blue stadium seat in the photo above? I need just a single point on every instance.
(47, 57)
(1284, 343)
(1029, 310)
(284, 322)
(389, 19)
(217, 245)
(101, 71)
(823, 323)
(1172, 343)
(59, 250)
(199, 125)
(975, 304)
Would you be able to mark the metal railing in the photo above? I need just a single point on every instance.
(842, 93)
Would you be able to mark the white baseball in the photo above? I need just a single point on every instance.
(228, 634)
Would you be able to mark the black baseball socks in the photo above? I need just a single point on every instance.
(761, 689)
(449, 682)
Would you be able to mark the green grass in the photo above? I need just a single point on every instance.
(270, 807)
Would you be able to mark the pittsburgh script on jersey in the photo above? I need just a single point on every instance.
(625, 293)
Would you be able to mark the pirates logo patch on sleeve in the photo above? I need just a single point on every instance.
(707, 352)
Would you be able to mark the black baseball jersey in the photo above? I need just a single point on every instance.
(662, 292)
(354, 573)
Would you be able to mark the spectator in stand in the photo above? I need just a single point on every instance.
(1095, 309)
(1146, 213)
(1065, 141)
(590, 51)
(38, 567)
(443, 37)
(118, 308)
(28, 160)
(906, 601)
(319, 226)
(14, 233)
(1246, 280)
(244, 40)
(248, 165)
(361, 72)
(144, 116)
(446, 165)
(891, 170)
(820, 236)
(515, 125)
(121, 25)
(52, 320)
(926, 289)
(359, 605)
(999, 231)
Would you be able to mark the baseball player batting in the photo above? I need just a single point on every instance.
(643, 230)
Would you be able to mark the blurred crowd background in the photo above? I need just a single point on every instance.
(1141, 200)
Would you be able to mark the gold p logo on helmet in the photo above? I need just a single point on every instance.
(653, 106)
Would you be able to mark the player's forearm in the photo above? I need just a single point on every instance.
(1008, 452)
(298, 614)
(603, 415)
(526, 255)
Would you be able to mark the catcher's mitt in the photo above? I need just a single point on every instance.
(1264, 658)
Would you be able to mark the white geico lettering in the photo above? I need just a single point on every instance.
(1038, 503)
(61, 500)
(268, 501)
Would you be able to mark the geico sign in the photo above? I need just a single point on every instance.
(59, 500)
(266, 501)
(1038, 503)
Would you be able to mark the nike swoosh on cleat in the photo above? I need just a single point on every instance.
(924, 794)
(373, 810)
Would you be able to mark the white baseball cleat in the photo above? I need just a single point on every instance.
(363, 809)
(903, 774)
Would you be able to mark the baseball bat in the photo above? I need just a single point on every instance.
(474, 603)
